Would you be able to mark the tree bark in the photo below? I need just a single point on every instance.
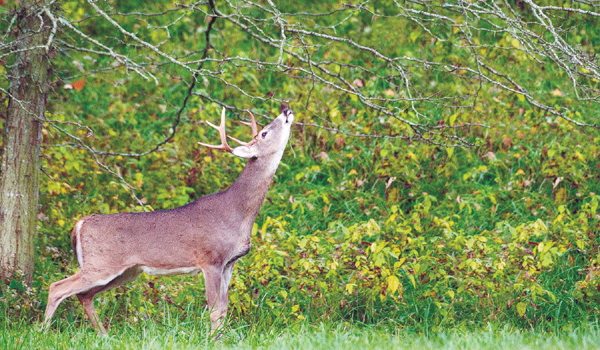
(21, 143)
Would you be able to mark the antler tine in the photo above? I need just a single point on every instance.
(222, 134)
(252, 124)
(254, 127)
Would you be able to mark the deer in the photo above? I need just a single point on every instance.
(208, 235)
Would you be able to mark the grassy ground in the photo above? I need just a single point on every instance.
(151, 335)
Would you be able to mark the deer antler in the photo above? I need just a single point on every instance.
(221, 129)
(252, 124)
(224, 136)
(254, 127)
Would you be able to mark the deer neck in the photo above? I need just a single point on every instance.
(248, 192)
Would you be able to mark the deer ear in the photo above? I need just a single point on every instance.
(245, 152)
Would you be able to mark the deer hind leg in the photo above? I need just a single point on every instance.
(87, 298)
(61, 290)
(81, 282)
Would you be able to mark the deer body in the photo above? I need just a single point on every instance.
(208, 235)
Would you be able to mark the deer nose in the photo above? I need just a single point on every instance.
(289, 116)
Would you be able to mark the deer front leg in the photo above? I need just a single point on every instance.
(212, 280)
(224, 291)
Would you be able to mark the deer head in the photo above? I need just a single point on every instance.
(269, 140)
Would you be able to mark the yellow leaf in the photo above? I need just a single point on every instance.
(560, 195)
(520, 172)
(450, 151)
(412, 280)
(295, 308)
(452, 119)
(393, 284)
(392, 194)
(540, 247)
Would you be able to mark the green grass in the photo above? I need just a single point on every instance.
(186, 335)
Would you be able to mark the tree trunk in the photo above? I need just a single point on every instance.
(21, 143)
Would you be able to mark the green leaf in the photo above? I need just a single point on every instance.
(521, 308)
(414, 35)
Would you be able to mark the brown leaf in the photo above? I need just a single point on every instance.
(358, 82)
(507, 142)
(323, 155)
(78, 85)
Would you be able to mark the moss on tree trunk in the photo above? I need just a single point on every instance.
(21, 143)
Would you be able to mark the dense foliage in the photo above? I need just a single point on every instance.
(358, 229)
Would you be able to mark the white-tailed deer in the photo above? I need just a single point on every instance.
(207, 235)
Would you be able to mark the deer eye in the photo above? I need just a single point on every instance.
(264, 134)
